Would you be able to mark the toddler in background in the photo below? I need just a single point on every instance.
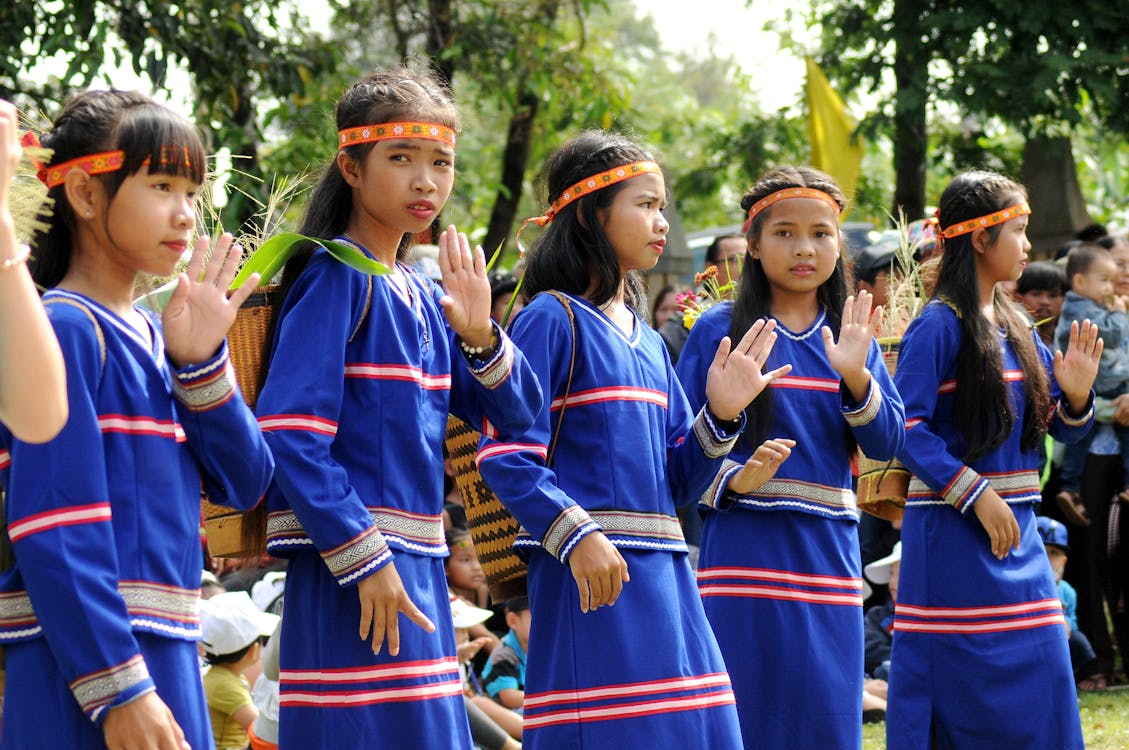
(1090, 270)
(232, 626)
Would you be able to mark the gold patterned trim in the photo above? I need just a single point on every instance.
(208, 393)
(495, 372)
(357, 554)
(794, 489)
(97, 690)
(711, 497)
(626, 523)
(709, 436)
(570, 520)
(866, 413)
(413, 527)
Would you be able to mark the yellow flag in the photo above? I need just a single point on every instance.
(831, 126)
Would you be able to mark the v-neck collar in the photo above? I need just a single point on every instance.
(589, 308)
(154, 347)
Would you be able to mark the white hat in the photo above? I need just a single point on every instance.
(231, 622)
(466, 614)
(266, 590)
(879, 570)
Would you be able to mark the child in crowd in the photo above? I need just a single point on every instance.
(1082, 657)
(874, 271)
(232, 626)
(363, 373)
(466, 580)
(492, 726)
(878, 624)
(503, 287)
(100, 620)
(504, 676)
(33, 388)
(594, 482)
(780, 553)
(1091, 270)
(978, 623)
(1041, 290)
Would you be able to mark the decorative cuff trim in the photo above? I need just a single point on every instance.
(559, 539)
(494, 372)
(359, 555)
(717, 495)
(714, 441)
(964, 489)
(1070, 421)
(97, 691)
(207, 386)
(869, 409)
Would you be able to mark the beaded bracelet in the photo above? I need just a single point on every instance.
(18, 258)
(473, 350)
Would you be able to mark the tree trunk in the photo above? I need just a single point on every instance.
(519, 140)
(911, 71)
(440, 36)
(1057, 207)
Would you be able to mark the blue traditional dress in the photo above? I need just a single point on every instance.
(101, 604)
(355, 408)
(980, 657)
(645, 672)
(779, 569)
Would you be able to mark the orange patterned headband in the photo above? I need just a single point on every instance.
(589, 185)
(983, 222)
(386, 130)
(100, 163)
(792, 192)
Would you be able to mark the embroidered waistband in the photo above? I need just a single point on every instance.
(1012, 487)
(144, 600)
(785, 491)
(414, 530)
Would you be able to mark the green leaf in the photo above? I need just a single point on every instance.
(272, 255)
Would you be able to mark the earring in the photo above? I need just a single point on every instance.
(90, 214)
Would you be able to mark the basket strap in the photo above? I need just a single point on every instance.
(364, 312)
(568, 384)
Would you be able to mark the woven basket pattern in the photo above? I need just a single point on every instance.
(883, 485)
(492, 527)
(246, 338)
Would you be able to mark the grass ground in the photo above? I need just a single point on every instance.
(1105, 722)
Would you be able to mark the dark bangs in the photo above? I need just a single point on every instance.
(170, 143)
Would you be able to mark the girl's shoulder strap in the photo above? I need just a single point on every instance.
(567, 304)
(79, 305)
(365, 310)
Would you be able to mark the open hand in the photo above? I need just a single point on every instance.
(736, 374)
(199, 312)
(1076, 369)
(600, 571)
(467, 300)
(761, 466)
(857, 330)
(383, 597)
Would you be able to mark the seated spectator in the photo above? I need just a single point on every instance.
(1082, 656)
(492, 727)
(878, 623)
(1091, 269)
(232, 627)
(503, 287)
(466, 580)
(263, 732)
(1041, 290)
(504, 676)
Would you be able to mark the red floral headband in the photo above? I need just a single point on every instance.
(792, 192)
(388, 130)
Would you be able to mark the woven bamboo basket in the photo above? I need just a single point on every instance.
(883, 485)
(231, 532)
(492, 527)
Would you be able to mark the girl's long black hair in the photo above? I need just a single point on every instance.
(574, 254)
(97, 121)
(754, 294)
(983, 407)
(385, 96)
